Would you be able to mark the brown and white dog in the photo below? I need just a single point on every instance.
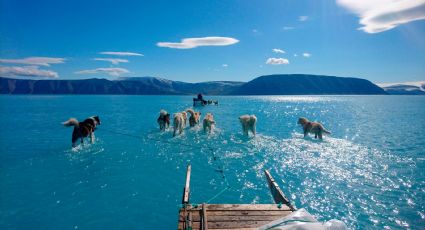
(208, 123)
(312, 127)
(163, 120)
(178, 123)
(249, 123)
(83, 129)
(194, 118)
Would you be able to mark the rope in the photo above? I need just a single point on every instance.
(123, 134)
(215, 158)
(218, 194)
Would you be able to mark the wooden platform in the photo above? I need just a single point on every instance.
(231, 216)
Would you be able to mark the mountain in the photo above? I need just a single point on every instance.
(264, 85)
(406, 88)
(293, 84)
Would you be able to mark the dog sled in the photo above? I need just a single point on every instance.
(280, 216)
(201, 102)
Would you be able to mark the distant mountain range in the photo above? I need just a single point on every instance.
(283, 84)
(406, 88)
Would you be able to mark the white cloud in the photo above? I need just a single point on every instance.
(26, 71)
(225, 65)
(255, 31)
(189, 43)
(307, 55)
(295, 55)
(110, 71)
(381, 15)
(114, 61)
(302, 18)
(288, 28)
(121, 53)
(278, 51)
(277, 61)
(43, 61)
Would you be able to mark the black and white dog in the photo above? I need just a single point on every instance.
(163, 120)
(82, 129)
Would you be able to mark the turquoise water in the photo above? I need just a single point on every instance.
(369, 173)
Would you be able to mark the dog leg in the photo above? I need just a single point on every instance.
(320, 136)
(253, 130)
(92, 137)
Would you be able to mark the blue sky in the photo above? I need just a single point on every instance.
(382, 41)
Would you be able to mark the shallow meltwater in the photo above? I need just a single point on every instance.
(332, 178)
(133, 175)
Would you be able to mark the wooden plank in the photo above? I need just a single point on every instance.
(242, 213)
(246, 207)
(278, 195)
(186, 190)
(228, 225)
(224, 218)
(189, 225)
(204, 218)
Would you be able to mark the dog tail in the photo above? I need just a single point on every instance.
(326, 131)
(192, 113)
(70, 122)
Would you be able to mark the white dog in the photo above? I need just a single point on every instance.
(248, 122)
(178, 123)
(208, 123)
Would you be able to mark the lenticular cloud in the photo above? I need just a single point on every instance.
(381, 15)
(189, 43)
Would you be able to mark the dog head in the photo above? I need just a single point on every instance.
(163, 112)
(97, 119)
(302, 121)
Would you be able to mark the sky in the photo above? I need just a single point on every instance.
(195, 41)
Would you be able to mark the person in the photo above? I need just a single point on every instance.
(201, 98)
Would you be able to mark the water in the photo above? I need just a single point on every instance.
(369, 173)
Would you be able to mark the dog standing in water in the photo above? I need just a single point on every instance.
(208, 123)
(312, 127)
(249, 123)
(82, 129)
(184, 114)
(178, 123)
(163, 120)
(194, 117)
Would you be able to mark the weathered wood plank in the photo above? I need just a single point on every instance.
(228, 225)
(224, 218)
(204, 217)
(241, 213)
(190, 217)
(186, 190)
(248, 207)
(278, 195)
